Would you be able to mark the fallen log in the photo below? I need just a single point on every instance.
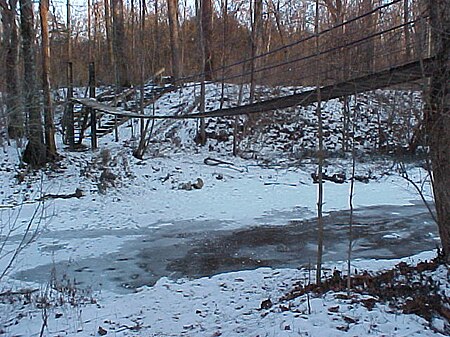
(217, 162)
(78, 194)
(338, 178)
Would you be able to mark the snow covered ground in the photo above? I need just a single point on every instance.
(223, 305)
(123, 196)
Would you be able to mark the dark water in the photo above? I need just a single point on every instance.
(201, 248)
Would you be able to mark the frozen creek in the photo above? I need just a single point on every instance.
(198, 248)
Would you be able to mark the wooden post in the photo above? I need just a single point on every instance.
(93, 112)
(235, 135)
(202, 131)
(116, 129)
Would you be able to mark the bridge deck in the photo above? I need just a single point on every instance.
(406, 73)
(410, 72)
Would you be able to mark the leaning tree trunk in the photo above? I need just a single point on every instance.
(35, 151)
(172, 6)
(11, 38)
(438, 118)
(48, 111)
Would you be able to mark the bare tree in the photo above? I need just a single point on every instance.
(354, 122)
(224, 7)
(69, 31)
(336, 10)
(109, 35)
(172, 6)
(35, 151)
(11, 42)
(142, 65)
(48, 110)
(367, 50)
(70, 124)
(207, 37)
(201, 134)
(255, 43)
(276, 13)
(320, 159)
(406, 15)
(119, 42)
(156, 60)
(437, 118)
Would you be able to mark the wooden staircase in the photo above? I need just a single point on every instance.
(107, 123)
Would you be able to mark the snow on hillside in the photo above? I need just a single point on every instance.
(124, 199)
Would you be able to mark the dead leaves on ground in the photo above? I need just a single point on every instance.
(410, 289)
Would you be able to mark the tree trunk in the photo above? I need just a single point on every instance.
(339, 63)
(133, 26)
(35, 152)
(156, 62)
(200, 138)
(223, 57)
(207, 31)
(48, 111)
(172, 6)
(11, 40)
(69, 31)
(320, 158)
(142, 67)
(109, 35)
(437, 118)
(276, 14)
(407, 33)
(95, 34)
(350, 200)
(119, 42)
(255, 44)
(367, 50)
